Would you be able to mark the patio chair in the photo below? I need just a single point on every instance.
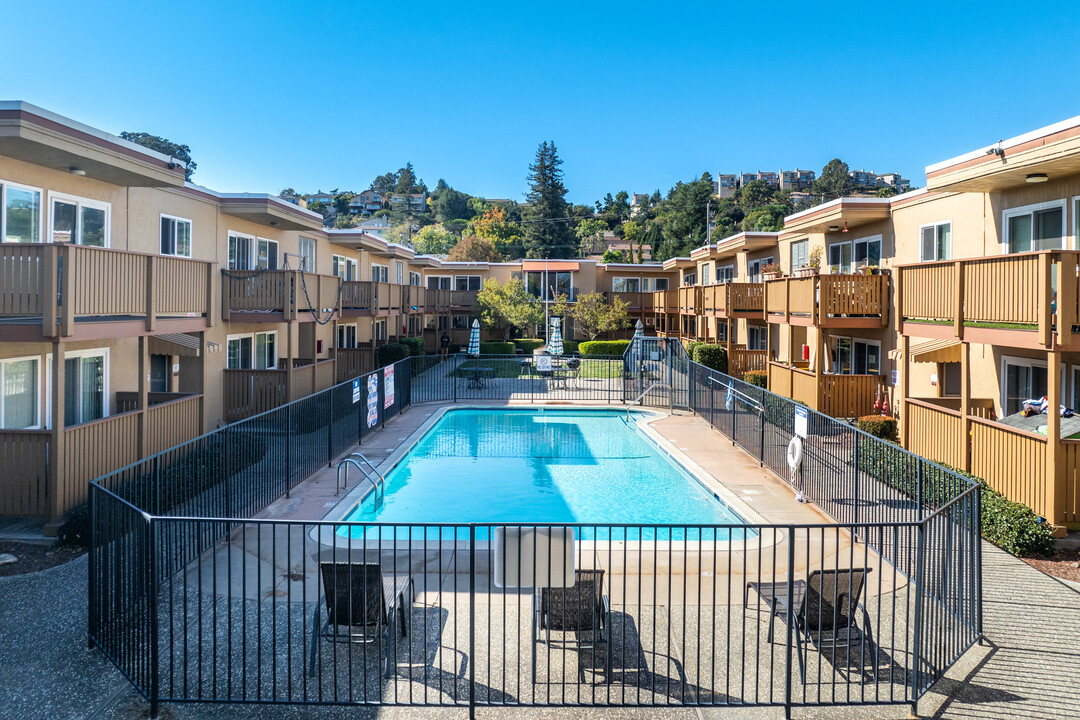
(362, 605)
(581, 609)
(824, 608)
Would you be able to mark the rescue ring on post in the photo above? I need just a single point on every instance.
(794, 453)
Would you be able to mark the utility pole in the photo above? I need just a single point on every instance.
(708, 221)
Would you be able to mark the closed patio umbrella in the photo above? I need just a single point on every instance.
(474, 339)
(554, 345)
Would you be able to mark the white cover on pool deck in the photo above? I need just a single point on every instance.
(534, 557)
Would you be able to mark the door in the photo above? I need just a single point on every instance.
(159, 373)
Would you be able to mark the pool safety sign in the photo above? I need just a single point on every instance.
(372, 399)
(543, 363)
(356, 391)
(388, 386)
(802, 421)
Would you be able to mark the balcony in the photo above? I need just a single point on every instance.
(99, 293)
(250, 392)
(837, 301)
(733, 300)
(840, 396)
(1017, 300)
(276, 295)
(637, 303)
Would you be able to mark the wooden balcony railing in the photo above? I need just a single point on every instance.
(690, 300)
(354, 362)
(127, 401)
(636, 302)
(728, 299)
(741, 360)
(24, 484)
(1035, 291)
(279, 291)
(250, 392)
(666, 301)
(836, 395)
(99, 284)
(829, 299)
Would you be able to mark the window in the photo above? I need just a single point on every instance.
(461, 322)
(705, 274)
(935, 242)
(800, 254)
(689, 279)
(754, 268)
(414, 279)
(86, 391)
(721, 332)
(846, 256)
(379, 273)
(20, 389)
(346, 336)
(20, 213)
(438, 282)
(399, 272)
(756, 338)
(380, 330)
(344, 268)
(840, 257)
(852, 356)
(661, 284)
(1075, 396)
(1035, 227)
(1022, 379)
(466, 282)
(625, 284)
(307, 255)
(241, 252)
(175, 236)
(256, 351)
(725, 274)
(79, 221)
(868, 251)
(267, 256)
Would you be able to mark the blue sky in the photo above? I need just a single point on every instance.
(636, 97)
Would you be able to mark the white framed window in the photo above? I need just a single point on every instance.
(380, 329)
(346, 335)
(308, 251)
(725, 273)
(414, 279)
(20, 213)
(399, 272)
(86, 386)
(241, 251)
(705, 274)
(379, 273)
(625, 284)
(266, 257)
(753, 268)
(689, 278)
(20, 393)
(438, 282)
(468, 282)
(855, 356)
(1021, 379)
(935, 241)
(1074, 377)
(78, 220)
(344, 268)
(846, 256)
(252, 351)
(800, 254)
(175, 236)
(1034, 227)
(756, 337)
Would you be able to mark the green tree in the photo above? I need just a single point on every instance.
(493, 225)
(434, 240)
(634, 234)
(452, 205)
(406, 180)
(547, 233)
(593, 314)
(769, 218)
(505, 306)
(684, 216)
(345, 220)
(473, 249)
(341, 203)
(727, 218)
(834, 181)
(614, 256)
(317, 206)
(165, 147)
(590, 234)
(385, 184)
(755, 194)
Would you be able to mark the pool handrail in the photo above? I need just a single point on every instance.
(646, 391)
(344, 465)
(382, 478)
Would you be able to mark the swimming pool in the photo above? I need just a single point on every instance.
(494, 466)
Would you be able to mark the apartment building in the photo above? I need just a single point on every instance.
(726, 185)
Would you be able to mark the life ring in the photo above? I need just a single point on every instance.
(794, 453)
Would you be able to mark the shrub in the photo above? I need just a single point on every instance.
(711, 356)
(390, 354)
(528, 346)
(604, 347)
(75, 530)
(1012, 526)
(415, 345)
(691, 346)
(570, 347)
(880, 426)
(757, 377)
(496, 348)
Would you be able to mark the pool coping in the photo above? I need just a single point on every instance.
(644, 417)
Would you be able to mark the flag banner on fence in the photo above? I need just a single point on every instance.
(388, 386)
(372, 399)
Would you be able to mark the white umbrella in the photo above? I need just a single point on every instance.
(554, 345)
(474, 339)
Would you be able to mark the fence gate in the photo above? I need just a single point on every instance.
(658, 372)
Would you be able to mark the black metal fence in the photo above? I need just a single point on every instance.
(195, 602)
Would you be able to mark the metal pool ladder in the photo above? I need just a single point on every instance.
(671, 400)
(351, 461)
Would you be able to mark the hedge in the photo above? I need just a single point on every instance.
(571, 346)
(757, 377)
(691, 347)
(415, 345)
(880, 426)
(604, 347)
(1012, 526)
(711, 356)
(496, 347)
(528, 346)
(390, 354)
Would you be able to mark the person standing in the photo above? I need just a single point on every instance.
(444, 344)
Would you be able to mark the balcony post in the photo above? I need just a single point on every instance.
(787, 301)
(66, 282)
(958, 300)
(57, 469)
(1055, 485)
(211, 320)
(1046, 299)
(288, 362)
(905, 384)
(1066, 298)
(965, 406)
(819, 365)
(899, 326)
(49, 289)
(151, 309)
(144, 392)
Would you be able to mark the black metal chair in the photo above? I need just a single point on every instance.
(360, 599)
(823, 607)
(581, 609)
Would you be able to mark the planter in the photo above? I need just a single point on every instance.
(771, 276)
(806, 272)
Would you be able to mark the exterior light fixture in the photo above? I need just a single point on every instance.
(76, 170)
(834, 228)
(1037, 178)
(845, 227)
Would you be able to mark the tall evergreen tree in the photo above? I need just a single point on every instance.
(547, 232)
(406, 180)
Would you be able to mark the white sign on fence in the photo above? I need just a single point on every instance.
(543, 363)
(356, 391)
(372, 399)
(388, 386)
(802, 421)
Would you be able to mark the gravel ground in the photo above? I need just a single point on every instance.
(1063, 564)
(33, 557)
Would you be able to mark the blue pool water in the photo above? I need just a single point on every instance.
(542, 466)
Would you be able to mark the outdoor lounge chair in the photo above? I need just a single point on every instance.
(583, 608)
(824, 608)
(361, 606)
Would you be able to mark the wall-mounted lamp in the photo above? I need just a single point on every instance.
(845, 227)
(996, 150)
(76, 171)
(1037, 178)
(834, 228)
